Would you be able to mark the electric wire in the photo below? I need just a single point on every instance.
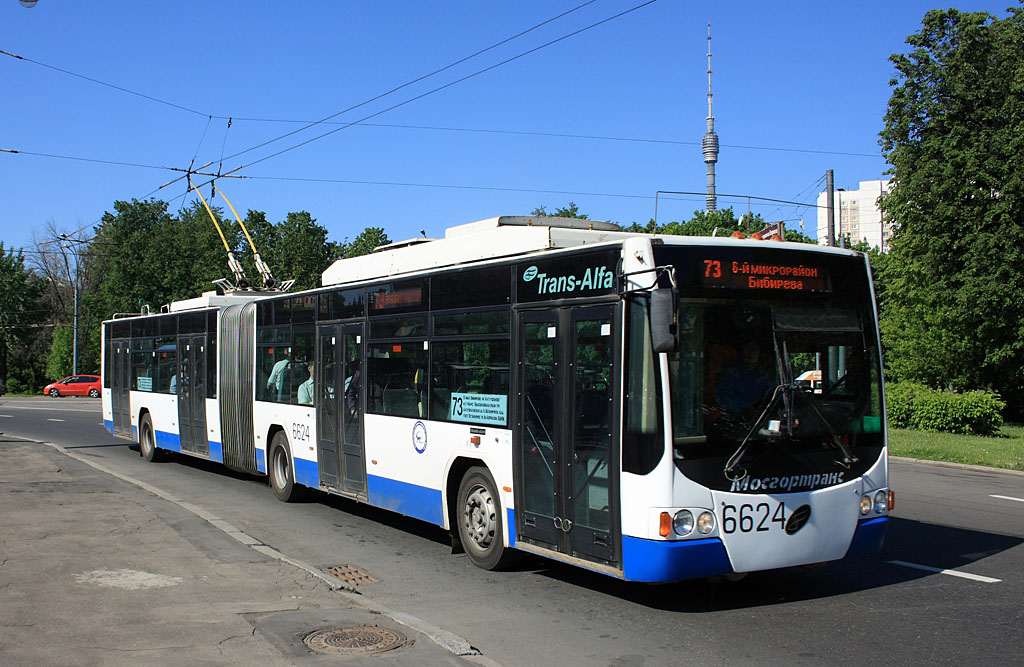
(103, 83)
(431, 92)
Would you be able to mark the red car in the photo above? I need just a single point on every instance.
(74, 385)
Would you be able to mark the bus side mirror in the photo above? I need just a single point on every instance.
(663, 319)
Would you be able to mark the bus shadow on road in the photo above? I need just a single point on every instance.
(315, 496)
(917, 542)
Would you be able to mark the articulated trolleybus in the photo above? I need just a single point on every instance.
(627, 403)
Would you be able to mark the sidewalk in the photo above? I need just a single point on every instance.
(96, 571)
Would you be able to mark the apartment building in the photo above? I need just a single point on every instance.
(856, 215)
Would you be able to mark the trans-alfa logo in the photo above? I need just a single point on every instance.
(597, 277)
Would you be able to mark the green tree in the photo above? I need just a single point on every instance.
(570, 211)
(954, 135)
(21, 310)
(364, 244)
(60, 361)
(141, 254)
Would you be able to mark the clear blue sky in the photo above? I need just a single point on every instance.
(811, 78)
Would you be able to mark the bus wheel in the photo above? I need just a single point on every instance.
(480, 520)
(280, 471)
(147, 439)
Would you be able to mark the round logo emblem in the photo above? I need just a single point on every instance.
(419, 437)
(529, 274)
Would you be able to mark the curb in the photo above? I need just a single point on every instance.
(449, 641)
(959, 466)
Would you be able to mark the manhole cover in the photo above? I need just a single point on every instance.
(351, 575)
(355, 639)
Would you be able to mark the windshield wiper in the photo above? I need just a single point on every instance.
(734, 460)
(848, 456)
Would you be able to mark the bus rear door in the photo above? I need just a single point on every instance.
(120, 385)
(339, 407)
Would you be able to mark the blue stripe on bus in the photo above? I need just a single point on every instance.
(109, 425)
(511, 527)
(261, 460)
(135, 433)
(216, 451)
(307, 473)
(166, 440)
(409, 499)
(655, 560)
(869, 536)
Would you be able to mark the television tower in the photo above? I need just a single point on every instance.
(710, 142)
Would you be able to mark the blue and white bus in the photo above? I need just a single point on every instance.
(627, 403)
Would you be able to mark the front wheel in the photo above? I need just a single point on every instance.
(55, 392)
(147, 439)
(281, 471)
(481, 525)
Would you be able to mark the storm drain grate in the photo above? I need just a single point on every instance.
(355, 639)
(351, 575)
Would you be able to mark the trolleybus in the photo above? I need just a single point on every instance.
(627, 403)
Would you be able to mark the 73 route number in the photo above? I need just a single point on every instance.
(748, 518)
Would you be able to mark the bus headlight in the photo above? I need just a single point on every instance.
(705, 523)
(865, 504)
(881, 501)
(682, 522)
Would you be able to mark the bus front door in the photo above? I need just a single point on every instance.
(339, 408)
(565, 460)
(191, 390)
(120, 385)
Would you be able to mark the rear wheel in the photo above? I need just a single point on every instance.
(55, 392)
(481, 524)
(147, 439)
(94, 393)
(280, 469)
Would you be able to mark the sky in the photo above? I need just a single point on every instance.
(111, 97)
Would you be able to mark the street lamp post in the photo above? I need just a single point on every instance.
(74, 286)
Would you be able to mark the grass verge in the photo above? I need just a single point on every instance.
(1004, 450)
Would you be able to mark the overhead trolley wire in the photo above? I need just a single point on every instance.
(435, 90)
(103, 83)
(427, 76)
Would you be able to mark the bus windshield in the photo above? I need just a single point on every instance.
(776, 390)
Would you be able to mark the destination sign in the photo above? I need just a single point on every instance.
(754, 275)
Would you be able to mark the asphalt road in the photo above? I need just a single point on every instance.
(947, 588)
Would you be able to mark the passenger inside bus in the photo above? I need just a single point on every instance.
(306, 388)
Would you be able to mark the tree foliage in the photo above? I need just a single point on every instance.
(954, 135)
(364, 244)
(718, 223)
(21, 309)
(294, 249)
(570, 211)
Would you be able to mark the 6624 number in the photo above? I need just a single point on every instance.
(748, 518)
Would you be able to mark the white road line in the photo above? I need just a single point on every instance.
(992, 495)
(54, 420)
(952, 573)
(8, 416)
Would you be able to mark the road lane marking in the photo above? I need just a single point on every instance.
(8, 416)
(54, 420)
(952, 573)
(991, 495)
